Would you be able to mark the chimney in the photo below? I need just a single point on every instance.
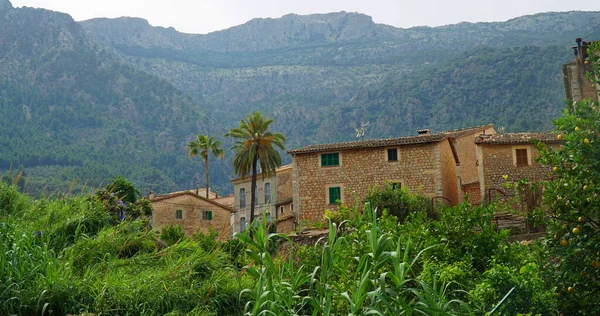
(217, 193)
(197, 189)
(423, 132)
(151, 195)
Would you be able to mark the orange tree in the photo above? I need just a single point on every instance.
(573, 200)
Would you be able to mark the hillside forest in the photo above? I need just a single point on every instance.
(84, 102)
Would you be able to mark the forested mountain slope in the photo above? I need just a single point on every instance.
(98, 98)
(68, 110)
(321, 75)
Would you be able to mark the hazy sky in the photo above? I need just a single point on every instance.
(203, 16)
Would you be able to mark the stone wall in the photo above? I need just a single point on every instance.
(417, 168)
(284, 184)
(577, 86)
(474, 193)
(164, 214)
(449, 181)
(285, 225)
(467, 155)
(496, 161)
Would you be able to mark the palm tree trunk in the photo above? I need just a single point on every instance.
(207, 188)
(252, 194)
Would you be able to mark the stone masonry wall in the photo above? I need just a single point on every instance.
(285, 225)
(497, 161)
(417, 169)
(577, 86)
(192, 207)
(467, 155)
(284, 184)
(448, 171)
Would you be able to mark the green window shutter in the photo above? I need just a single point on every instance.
(328, 160)
(210, 215)
(335, 194)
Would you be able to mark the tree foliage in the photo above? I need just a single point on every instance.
(254, 146)
(202, 146)
(573, 203)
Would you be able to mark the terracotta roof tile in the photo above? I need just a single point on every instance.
(181, 193)
(516, 138)
(408, 140)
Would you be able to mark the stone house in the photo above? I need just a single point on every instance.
(273, 199)
(428, 163)
(577, 85)
(467, 171)
(193, 212)
(511, 155)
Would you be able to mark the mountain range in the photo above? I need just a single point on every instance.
(94, 99)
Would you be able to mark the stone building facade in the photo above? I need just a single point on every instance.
(577, 86)
(427, 164)
(273, 198)
(468, 173)
(511, 155)
(193, 212)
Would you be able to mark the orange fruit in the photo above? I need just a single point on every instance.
(564, 242)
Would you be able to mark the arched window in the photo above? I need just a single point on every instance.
(242, 198)
(267, 193)
(242, 224)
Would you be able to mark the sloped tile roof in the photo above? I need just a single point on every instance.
(181, 193)
(516, 138)
(399, 141)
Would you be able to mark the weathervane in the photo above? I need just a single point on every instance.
(360, 132)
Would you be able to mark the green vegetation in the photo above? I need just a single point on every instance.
(201, 147)
(255, 146)
(64, 255)
(574, 206)
(73, 255)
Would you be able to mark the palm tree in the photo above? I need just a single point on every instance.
(254, 145)
(201, 147)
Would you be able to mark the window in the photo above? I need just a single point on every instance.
(268, 215)
(329, 160)
(521, 157)
(292, 207)
(207, 215)
(267, 193)
(242, 224)
(392, 154)
(179, 214)
(335, 194)
(242, 198)
(396, 185)
(281, 210)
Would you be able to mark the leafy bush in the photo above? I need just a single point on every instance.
(399, 202)
(172, 234)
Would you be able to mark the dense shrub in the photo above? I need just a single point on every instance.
(172, 234)
(398, 202)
